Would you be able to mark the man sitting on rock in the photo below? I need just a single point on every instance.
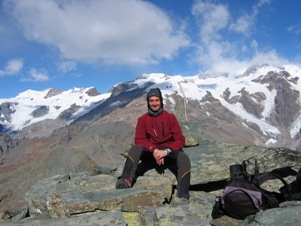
(158, 144)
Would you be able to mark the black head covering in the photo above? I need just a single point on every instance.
(155, 92)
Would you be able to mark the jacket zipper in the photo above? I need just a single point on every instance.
(154, 130)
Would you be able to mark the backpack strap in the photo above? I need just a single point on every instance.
(296, 196)
(217, 210)
(259, 179)
(256, 168)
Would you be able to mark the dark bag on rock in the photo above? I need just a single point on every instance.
(295, 187)
(244, 196)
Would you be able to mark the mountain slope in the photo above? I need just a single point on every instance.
(258, 106)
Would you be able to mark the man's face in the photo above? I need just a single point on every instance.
(154, 103)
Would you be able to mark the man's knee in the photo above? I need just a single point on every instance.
(135, 152)
(184, 161)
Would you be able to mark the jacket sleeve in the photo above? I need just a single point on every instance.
(141, 136)
(178, 137)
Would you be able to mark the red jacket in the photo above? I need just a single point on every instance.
(159, 131)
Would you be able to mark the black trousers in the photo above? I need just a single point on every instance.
(140, 160)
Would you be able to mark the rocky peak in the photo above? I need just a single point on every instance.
(252, 69)
(6, 109)
(40, 111)
(52, 92)
(121, 88)
(92, 92)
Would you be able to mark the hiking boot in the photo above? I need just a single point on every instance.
(123, 183)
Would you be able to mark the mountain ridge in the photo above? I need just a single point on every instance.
(263, 98)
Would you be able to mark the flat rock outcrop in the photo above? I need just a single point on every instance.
(90, 198)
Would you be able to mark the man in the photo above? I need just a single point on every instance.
(158, 144)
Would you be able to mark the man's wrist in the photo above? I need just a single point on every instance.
(168, 151)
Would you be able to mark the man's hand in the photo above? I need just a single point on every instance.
(159, 156)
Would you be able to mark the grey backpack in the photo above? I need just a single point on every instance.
(244, 196)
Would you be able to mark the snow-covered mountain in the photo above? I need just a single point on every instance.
(264, 97)
(31, 107)
(260, 105)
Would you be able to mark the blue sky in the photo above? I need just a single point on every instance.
(82, 43)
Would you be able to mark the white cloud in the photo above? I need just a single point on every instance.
(106, 31)
(233, 66)
(67, 66)
(254, 45)
(13, 67)
(36, 76)
(295, 29)
(246, 22)
(243, 24)
(212, 17)
(263, 2)
(220, 47)
(270, 57)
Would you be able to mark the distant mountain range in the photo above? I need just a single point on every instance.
(43, 134)
(259, 106)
